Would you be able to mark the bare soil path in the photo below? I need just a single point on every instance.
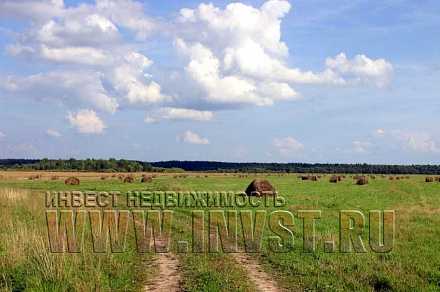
(254, 271)
(168, 278)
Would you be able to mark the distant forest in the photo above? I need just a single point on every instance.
(114, 165)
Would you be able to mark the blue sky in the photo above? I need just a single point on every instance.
(313, 81)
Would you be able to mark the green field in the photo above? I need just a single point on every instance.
(412, 265)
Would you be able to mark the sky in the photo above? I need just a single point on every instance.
(346, 81)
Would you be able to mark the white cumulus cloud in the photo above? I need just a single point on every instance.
(361, 69)
(288, 145)
(86, 122)
(236, 56)
(192, 138)
(94, 55)
(96, 65)
(178, 114)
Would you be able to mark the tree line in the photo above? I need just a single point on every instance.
(100, 165)
(122, 165)
(299, 167)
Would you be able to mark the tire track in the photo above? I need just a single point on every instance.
(169, 277)
(254, 271)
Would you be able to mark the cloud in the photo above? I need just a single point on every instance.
(86, 122)
(361, 69)
(31, 9)
(71, 87)
(192, 138)
(96, 65)
(128, 14)
(361, 146)
(78, 55)
(178, 114)
(418, 142)
(53, 133)
(222, 45)
(288, 146)
(93, 55)
(2, 135)
(379, 132)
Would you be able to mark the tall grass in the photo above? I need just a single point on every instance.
(27, 264)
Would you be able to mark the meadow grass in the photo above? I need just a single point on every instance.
(413, 265)
(27, 264)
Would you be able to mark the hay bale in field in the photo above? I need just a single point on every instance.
(437, 179)
(305, 177)
(146, 179)
(334, 179)
(391, 178)
(260, 187)
(313, 178)
(103, 177)
(72, 181)
(128, 179)
(362, 180)
(54, 177)
(429, 179)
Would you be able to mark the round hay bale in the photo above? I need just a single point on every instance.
(260, 187)
(146, 179)
(54, 177)
(128, 179)
(72, 181)
(334, 179)
(362, 181)
(429, 179)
